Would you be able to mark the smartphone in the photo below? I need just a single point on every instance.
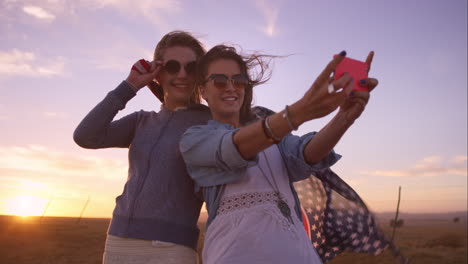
(142, 66)
(356, 69)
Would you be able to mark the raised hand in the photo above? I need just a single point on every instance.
(139, 80)
(318, 101)
(354, 105)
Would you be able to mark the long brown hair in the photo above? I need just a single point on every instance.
(254, 66)
(181, 39)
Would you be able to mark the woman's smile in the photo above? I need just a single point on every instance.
(225, 101)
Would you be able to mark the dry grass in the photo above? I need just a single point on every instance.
(62, 240)
(423, 241)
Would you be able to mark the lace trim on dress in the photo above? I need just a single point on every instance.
(245, 200)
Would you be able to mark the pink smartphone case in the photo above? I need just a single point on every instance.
(356, 69)
(142, 66)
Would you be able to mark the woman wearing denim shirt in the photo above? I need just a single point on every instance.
(245, 167)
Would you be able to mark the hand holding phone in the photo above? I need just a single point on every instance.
(356, 69)
(142, 66)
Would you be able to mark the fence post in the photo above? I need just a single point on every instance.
(45, 210)
(82, 210)
(396, 215)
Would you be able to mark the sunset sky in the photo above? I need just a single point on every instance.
(58, 58)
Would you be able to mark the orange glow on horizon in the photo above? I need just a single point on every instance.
(26, 205)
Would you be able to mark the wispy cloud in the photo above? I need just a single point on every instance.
(120, 57)
(3, 116)
(154, 12)
(168, 5)
(270, 14)
(43, 161)
(429, 166)
(38, 12)
(459, 159)
(23, 63)
(55, 115)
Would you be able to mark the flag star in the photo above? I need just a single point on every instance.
(376, 244)
(331, 205)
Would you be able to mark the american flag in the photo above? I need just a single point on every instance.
(335, 217)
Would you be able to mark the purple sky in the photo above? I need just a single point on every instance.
(59, 58)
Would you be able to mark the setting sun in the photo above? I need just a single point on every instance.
(26, 205)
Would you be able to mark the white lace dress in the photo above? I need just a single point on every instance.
(249, 227)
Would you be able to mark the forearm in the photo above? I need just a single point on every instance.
(97, 130)
(252, 139)
(326, 139)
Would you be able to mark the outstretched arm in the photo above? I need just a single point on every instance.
(317, 102)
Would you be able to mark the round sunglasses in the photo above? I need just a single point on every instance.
(220, 81)
(173, 67)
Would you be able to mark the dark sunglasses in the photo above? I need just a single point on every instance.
(173, 67)
(239, 81)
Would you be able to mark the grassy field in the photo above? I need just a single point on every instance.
(423, 238)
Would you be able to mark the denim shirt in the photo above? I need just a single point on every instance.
(213, 161)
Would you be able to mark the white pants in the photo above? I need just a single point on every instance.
(119, 250)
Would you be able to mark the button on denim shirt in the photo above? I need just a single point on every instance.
(213, 161)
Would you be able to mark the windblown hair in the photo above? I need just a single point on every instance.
(254, 66)
(180, 39)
